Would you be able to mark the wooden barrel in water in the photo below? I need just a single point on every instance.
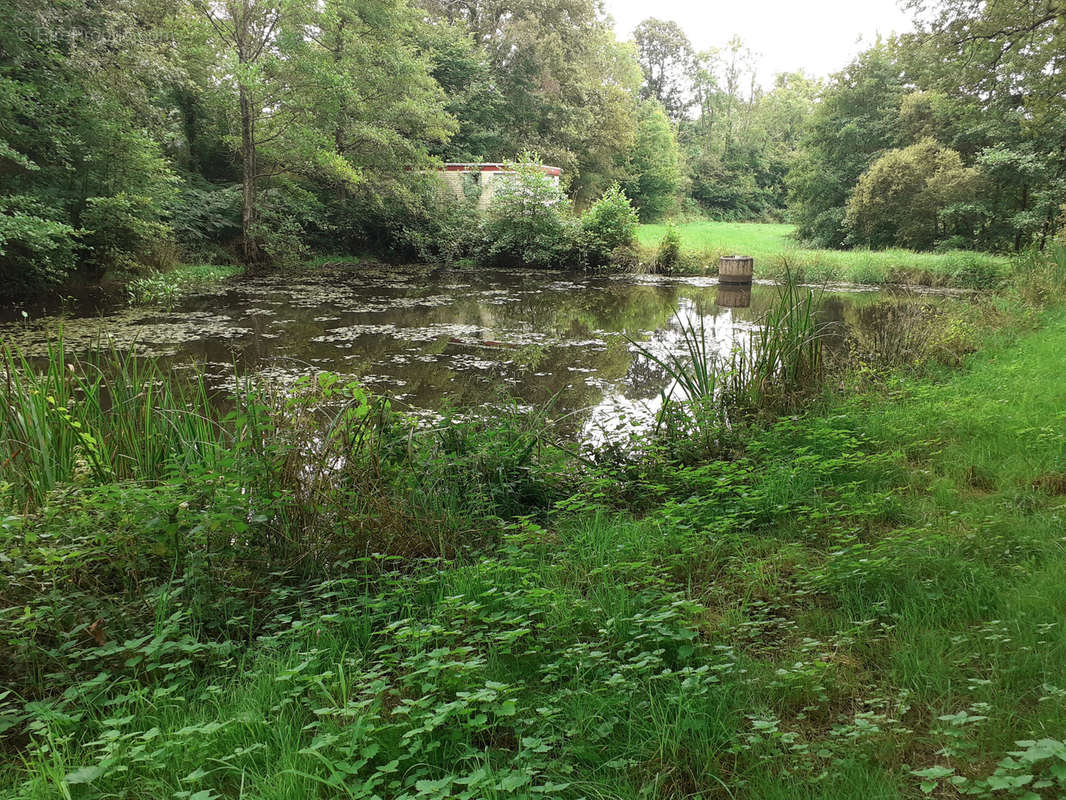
(736, 269)
(736, 295)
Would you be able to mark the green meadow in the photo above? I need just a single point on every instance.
(774, 249)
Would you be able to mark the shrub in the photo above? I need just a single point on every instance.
(668, 256)
(435, 226)
(407, 217)
(289, 215)
(36, 250)
(530, 222)
(124, 233)
(610, 225)
(902, 200)
(207, 220)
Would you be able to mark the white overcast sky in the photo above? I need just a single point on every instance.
(818, 36)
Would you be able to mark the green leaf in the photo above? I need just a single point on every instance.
(513, 781)
(85, 774)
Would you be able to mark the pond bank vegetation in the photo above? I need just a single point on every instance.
(701, 244)
(167, 288)
(305, 595)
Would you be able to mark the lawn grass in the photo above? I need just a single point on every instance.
(859, 601)
(773, 247)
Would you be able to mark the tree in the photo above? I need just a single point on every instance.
(654, 168)
(666, 59)
(321, 91)
(255, 64)
(855, 122)
(1001, 66)
(78, 124)
(744, 140)
(553, 77)
(901, 199)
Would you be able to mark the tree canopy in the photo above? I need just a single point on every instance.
(137, 132)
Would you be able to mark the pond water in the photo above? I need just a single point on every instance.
(461, 338)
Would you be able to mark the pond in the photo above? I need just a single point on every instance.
(431, 338)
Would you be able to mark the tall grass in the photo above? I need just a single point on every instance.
(105, 416)
(775, 251)
(783, 359)
(780, 364)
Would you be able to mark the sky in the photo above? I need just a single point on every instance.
(819, 36)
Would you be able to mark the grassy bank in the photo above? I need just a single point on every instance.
(864, 600)
(772, 247)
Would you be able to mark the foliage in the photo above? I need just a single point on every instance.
(1038, 765)
(609, 225)
(655, 175)
(336, 600)
(852, 125)
(166, 289)
(432, 225)
(124, 232)
(783, 359)
(269, 131)
(109, 417)
(668, 255)
(80, 134)
(549, 77)
(206, 220)
(779, 365)
(744, 143)
(665, 56)
(290, 216)
(903, 199)
(36, 251)
(773, 246)
(530, 222)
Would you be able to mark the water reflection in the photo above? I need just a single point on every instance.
(733, 295)
(431, 338)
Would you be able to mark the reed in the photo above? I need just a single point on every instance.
(781, 363)
(105, 416)
(783, 359)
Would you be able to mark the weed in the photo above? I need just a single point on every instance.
(167, 288)
(781, 363)
(308, 595)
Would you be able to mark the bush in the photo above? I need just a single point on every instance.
(435, 226)
(410, 216)
(207, 221)
(909, 197)
(609, 226)
(668, 256)
(124, 233)
(37, 252)
(530, 222)
(289, 215)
